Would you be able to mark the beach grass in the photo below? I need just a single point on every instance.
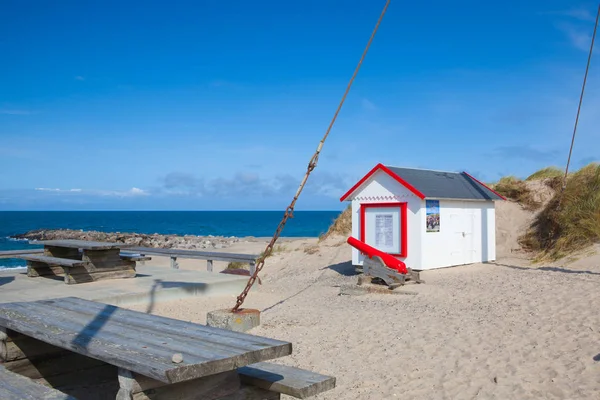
(516, 189)
(544, 173)
(561, 229)
(342, 225)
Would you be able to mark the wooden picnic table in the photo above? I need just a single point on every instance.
(146, 356)
(81, 261)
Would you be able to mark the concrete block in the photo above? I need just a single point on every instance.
(241, 321)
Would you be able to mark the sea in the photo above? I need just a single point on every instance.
(201, 223)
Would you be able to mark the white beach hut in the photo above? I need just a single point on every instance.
(428, 219)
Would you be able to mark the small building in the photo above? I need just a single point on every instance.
(428, 219)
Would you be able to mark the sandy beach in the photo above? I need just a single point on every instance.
(506, 330)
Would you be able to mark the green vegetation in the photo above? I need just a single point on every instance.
(549, 172)
(237, 265)
(560, 230)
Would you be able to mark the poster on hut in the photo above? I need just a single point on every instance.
(433, 215)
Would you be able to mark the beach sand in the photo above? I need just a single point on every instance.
(485, 331)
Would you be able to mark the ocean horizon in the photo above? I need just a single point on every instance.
(199, 223)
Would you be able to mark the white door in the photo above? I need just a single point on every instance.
(465, 223)
(457, 250)
(469, 219)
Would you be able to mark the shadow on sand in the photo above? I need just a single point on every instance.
(550, 269)
(345, 268)
(6, 279)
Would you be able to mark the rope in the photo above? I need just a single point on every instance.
(564, 183)
(289, 212)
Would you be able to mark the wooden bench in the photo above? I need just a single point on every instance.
(17, 387)
(209, 256)
(282, 379)
(134, 257)
(19, 253)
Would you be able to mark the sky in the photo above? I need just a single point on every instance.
(213, 105)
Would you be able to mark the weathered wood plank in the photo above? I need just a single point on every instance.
(376, 267)
(82, 275)
(17, 253)
(17, 387)
(63, 262)
(292, 381)
(166, 326)
(81, 244)
(130, 340)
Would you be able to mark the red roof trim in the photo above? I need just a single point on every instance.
(484, 185)
(390, 173)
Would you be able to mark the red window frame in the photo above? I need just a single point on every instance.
(403, 223)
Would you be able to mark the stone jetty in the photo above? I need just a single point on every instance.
(137, 239)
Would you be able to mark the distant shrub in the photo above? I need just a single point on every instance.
(237, 265)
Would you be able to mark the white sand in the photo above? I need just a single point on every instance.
(500, 331)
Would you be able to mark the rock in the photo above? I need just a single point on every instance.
(136, 239)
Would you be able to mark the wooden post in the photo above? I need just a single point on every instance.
(209, 265)
(174, 263)
(252, 268)
(3, 350)
(126, 383)
(143, 262)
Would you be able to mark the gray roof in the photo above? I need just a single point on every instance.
(445, 185)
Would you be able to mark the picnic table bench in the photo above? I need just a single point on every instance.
(17, 387)
(67, 340)
(80, 261)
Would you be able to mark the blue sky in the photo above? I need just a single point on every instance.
(219, 105)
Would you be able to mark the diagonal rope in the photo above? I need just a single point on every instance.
(289, 212)
(587, 68)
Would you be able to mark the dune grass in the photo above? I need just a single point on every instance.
(544, 173)
(516, 189)
(342, 225)
(560, 230)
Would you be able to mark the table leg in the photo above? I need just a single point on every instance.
(135, 386)
(126, 385)
(3, 339)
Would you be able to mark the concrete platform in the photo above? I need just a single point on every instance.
(151, 284)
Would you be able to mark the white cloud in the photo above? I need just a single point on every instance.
(138, 192)
(581, 14)
(368, 105)
(578, 37)
(8, 111)
(116, 193)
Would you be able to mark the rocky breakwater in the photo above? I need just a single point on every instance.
(189, 242)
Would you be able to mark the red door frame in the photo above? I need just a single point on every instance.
(403, 224)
